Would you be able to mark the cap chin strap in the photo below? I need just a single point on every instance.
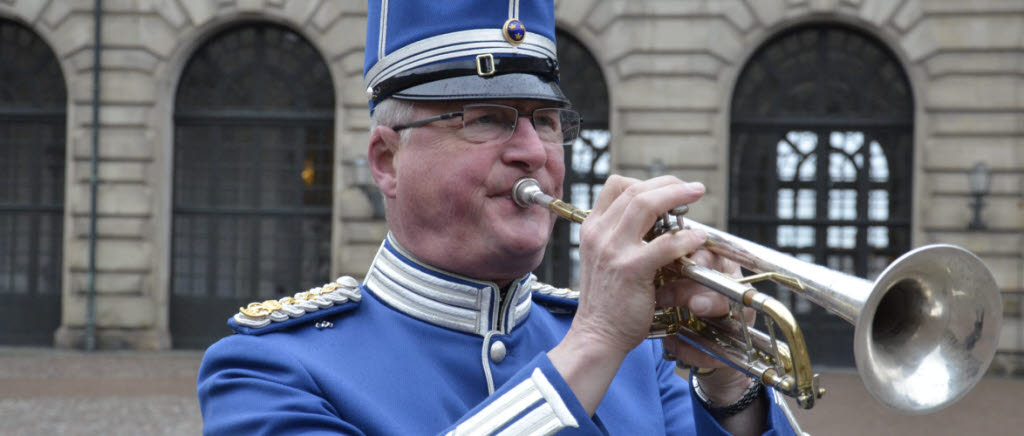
(483, 65)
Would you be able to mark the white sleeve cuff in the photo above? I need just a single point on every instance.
(533, 407)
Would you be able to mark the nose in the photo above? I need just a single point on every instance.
(525, 149)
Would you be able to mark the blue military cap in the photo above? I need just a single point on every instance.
(461, 50)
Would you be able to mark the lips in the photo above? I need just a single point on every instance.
(506, 196)
(507, 189)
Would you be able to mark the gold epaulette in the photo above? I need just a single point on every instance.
(257, 315)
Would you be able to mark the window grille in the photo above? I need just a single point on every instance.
(253, 160)
(32, 146)
(822, 157)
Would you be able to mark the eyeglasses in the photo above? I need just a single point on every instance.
(494, 123)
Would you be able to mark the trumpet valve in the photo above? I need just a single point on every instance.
(673, 320)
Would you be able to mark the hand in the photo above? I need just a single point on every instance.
(617, 279)
(725, 384)
(617, 267)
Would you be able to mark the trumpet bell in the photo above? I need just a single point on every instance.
(926, 335)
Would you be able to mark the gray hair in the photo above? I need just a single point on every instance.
(392, 112)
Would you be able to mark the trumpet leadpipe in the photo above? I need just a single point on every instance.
(527, 192)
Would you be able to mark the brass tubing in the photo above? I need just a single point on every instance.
(708, 335)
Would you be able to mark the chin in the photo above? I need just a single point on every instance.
(522, 264)
(523, 233)
(525, 243)
(528, 246)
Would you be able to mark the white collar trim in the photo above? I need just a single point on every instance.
(442, 298)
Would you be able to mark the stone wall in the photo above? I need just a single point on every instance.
(670, 66)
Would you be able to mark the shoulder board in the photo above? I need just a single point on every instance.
(258, 318)
(556, 300)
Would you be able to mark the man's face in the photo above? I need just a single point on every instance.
(452, 203)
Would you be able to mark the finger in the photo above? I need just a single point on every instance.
(715, 261)
(616, 185)
(700, 300)
(641, 204)
(612, 189)
(650, 198)
(707, 259)
(708, 304)
(672, 246)
(731, 269)
(619, 191)
(750, 315)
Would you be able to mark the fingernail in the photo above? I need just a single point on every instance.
(700, 305)
(695, 186)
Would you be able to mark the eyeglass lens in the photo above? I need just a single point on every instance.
(486, 123)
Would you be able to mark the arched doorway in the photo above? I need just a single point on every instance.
(33, 102)
(821, 161)
(253, 159)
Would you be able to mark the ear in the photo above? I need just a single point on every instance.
(383, 159)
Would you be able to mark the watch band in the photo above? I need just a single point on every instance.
(752, 393)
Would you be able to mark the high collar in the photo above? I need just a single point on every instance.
(443, 298)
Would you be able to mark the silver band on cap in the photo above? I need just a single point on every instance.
(455, 45)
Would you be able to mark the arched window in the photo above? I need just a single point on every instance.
(253, 156)
(33, 102)
(821, 151)
(587, 161)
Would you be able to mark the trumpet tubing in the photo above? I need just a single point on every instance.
(925, 331)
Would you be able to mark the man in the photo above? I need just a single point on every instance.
(450, 333)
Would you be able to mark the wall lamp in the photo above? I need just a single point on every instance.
(979, 179)
(361, 179)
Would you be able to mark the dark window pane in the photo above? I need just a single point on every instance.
(32, 143)
(253, 177)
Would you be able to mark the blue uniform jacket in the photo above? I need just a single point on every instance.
(416, 351)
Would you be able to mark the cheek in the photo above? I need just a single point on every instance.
(438, 186)
(556, 167)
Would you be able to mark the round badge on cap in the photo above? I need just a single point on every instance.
(514, 31)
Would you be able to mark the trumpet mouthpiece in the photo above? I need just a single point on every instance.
(524, 192)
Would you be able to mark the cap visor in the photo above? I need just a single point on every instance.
(505, 86)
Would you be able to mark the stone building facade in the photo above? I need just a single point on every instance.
(671, 70)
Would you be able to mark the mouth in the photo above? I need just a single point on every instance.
(507, 193)
(507, 203)
(508, 197)
(513, 200)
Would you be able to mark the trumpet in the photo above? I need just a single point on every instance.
(925, 330)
